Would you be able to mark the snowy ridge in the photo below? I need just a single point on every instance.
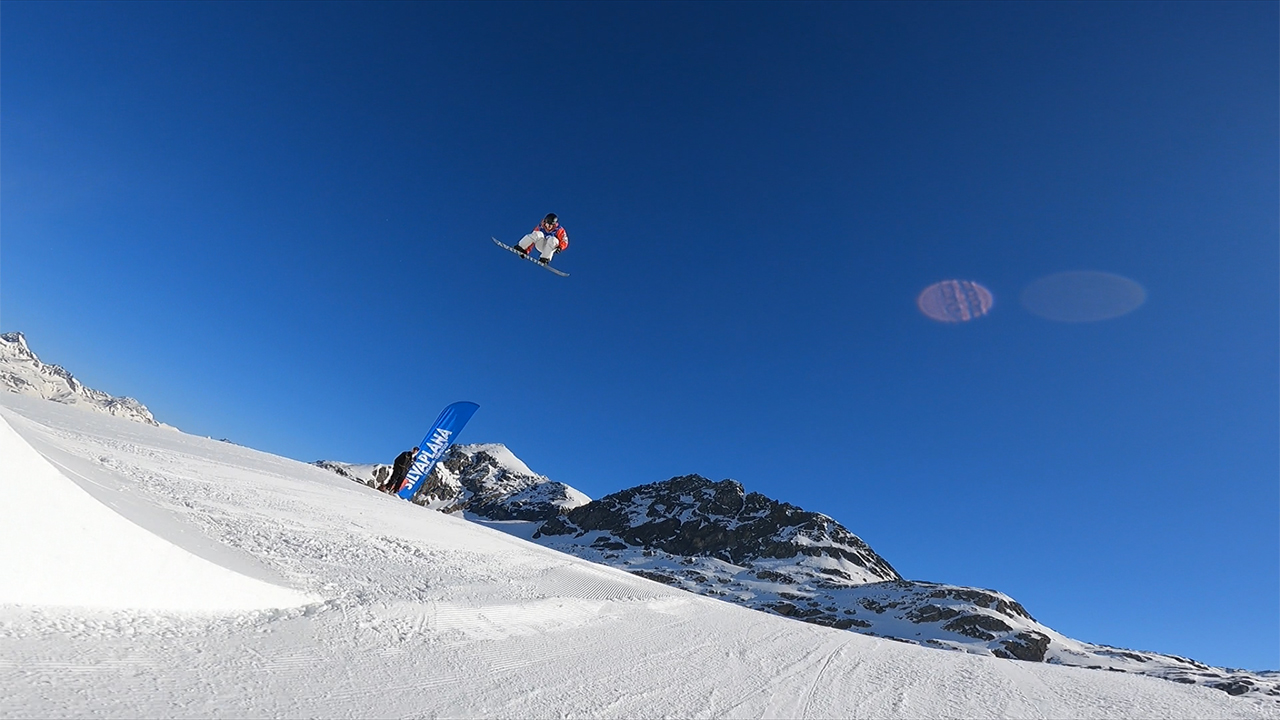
(23, 373)
(371, 474)
(301, 531)
(691, 516)
(495, 484)
(484, 480)
(716, 539)
(424, 614)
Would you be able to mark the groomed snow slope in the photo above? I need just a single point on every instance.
(75, 551)
(418, 613)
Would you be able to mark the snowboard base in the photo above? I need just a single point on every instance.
(528, 256)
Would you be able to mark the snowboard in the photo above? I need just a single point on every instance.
(528, 257)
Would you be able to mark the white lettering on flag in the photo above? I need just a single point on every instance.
(438, 444)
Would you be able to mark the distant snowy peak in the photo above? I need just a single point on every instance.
(485, 480)
(23, 373)
(692, 515)
(499, 456)
(372, 474)
(488, 480)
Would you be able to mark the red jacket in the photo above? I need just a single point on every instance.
(559, 232)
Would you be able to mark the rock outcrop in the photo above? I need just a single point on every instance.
(22, 372)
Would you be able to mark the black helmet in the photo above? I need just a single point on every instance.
(551, 218)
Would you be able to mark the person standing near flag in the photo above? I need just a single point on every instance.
(399, 470)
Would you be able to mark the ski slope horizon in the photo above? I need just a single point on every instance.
(272, 223)
(359, 599)
(22, 371)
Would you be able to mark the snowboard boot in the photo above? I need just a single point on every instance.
(543, 261)
(521, 250)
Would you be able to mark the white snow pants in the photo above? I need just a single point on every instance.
(547, 244)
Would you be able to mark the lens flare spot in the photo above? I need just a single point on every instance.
(1083, 296)
(955, 301)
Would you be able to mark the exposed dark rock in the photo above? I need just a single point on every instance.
(1233, 687)
(877, 607)
(791, 611)
(1131, 656)
(720, 520)
(556, 526)
(330, 466)
(783, 608)
(495, 492)
(655, 576)
(931, 613)
(1027, 645)
(982, 599)
(974, 626)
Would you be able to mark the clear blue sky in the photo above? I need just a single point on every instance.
(271, 222)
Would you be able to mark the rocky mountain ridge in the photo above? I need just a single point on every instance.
(22, 372)
(717, 539)
(692, 516)
(714, 539)
(484, 480)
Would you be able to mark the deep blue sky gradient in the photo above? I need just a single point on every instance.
(271, 222)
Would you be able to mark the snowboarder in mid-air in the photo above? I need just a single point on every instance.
(549, 238)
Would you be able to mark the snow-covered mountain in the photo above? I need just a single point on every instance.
(716, 539)
(22, 372)
(151, 573)
(688, 533)
(485, 480)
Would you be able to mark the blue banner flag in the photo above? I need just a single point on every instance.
(438, 439)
